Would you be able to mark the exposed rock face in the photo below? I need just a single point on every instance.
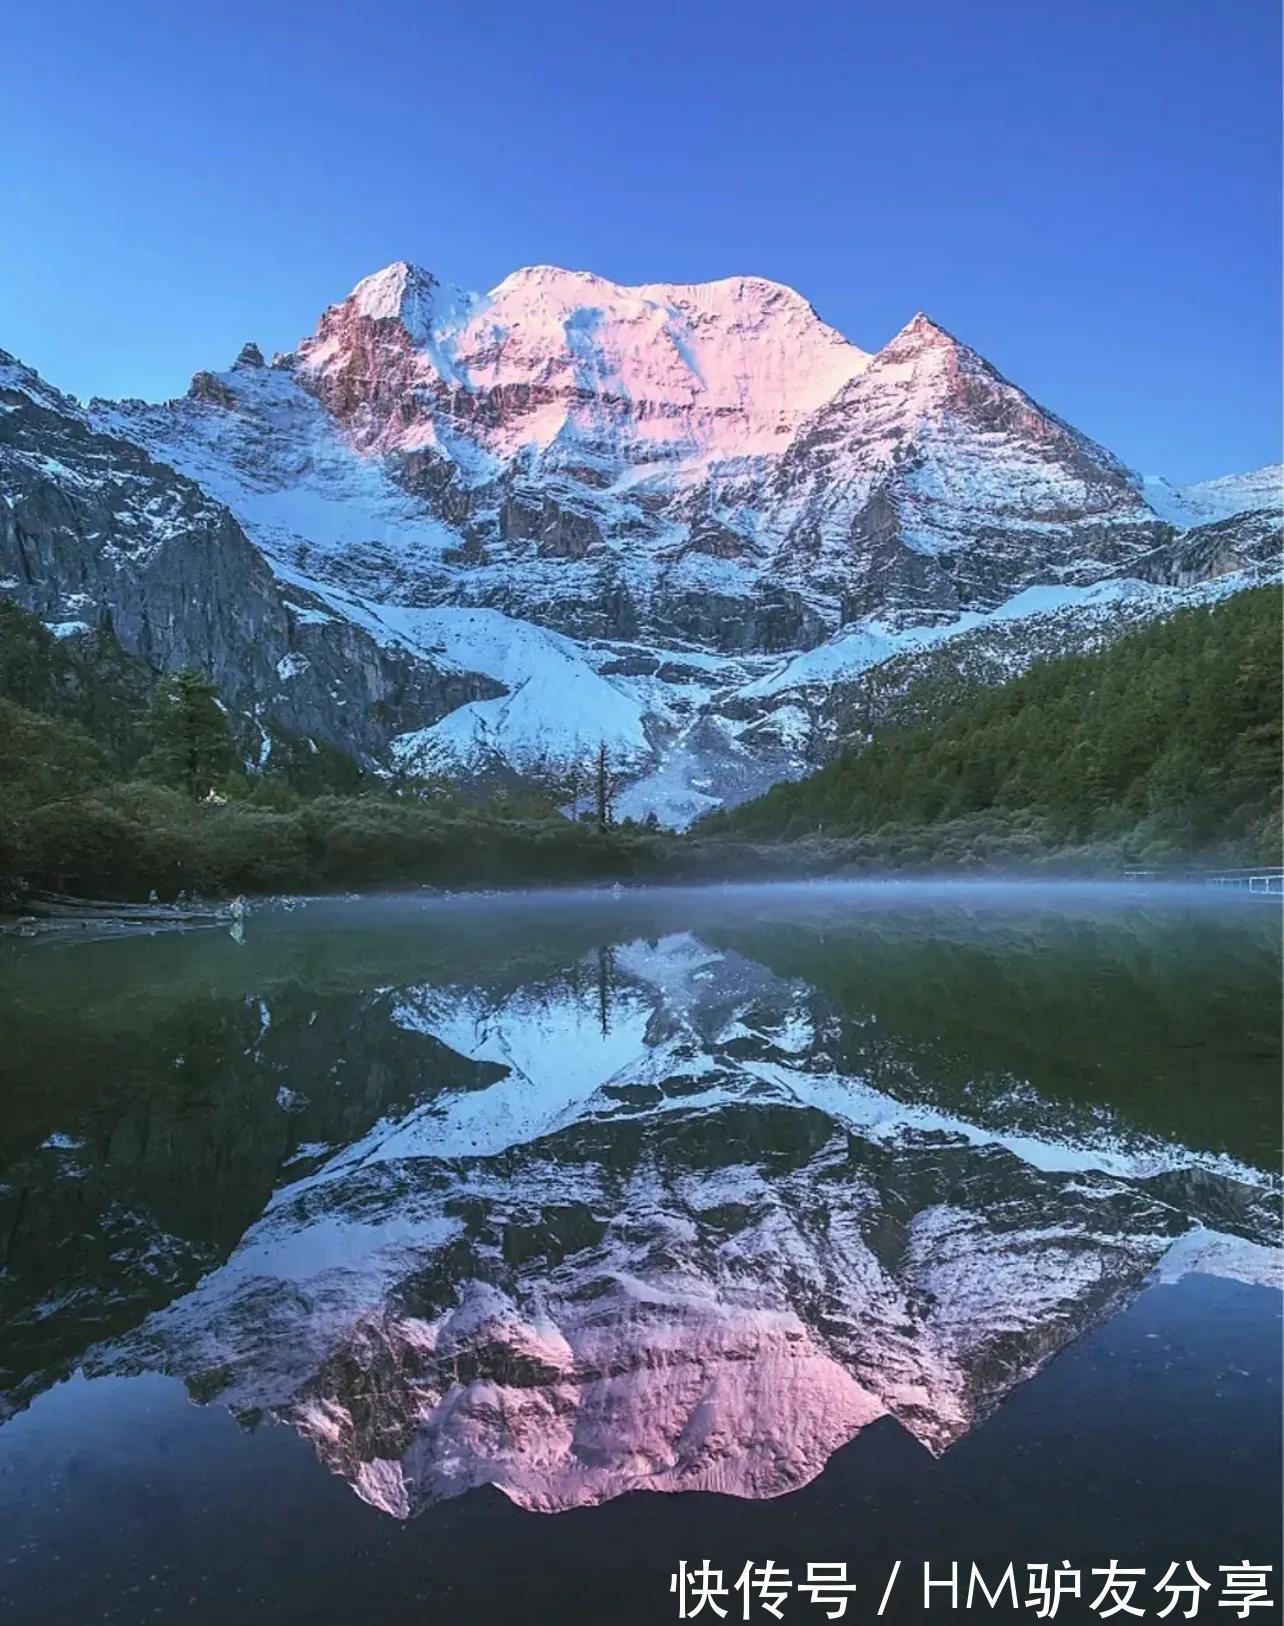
(91, 527)
(706, 478)
(559, 533)
(1224, 547)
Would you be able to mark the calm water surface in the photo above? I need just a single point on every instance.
(478, 1259)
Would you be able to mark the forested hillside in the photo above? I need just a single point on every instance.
(116, 782)
(1166, 743)
(1161, 749)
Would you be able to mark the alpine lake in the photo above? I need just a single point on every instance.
(488, 1258)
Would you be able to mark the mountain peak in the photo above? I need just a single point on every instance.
(400, 292)
(922, 333)
(18, 378)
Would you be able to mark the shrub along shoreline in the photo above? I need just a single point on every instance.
(126, 841)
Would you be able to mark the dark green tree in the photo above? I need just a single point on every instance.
(190, 744)
(604, 788)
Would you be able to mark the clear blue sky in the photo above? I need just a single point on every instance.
(1087, 191)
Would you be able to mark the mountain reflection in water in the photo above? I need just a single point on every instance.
(581, 1195)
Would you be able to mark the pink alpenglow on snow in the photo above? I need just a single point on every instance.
(675, 374)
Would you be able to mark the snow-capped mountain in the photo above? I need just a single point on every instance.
(605, 515)
(930, 485)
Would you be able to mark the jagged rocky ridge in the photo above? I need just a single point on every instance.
(92, 529)
(674, 519)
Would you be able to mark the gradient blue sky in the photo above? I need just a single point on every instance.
(1086, 191)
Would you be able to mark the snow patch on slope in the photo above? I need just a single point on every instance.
(1211, 500)
(857, 649)
(558, 711)
(272, 456)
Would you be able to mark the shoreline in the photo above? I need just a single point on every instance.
(66, 916)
